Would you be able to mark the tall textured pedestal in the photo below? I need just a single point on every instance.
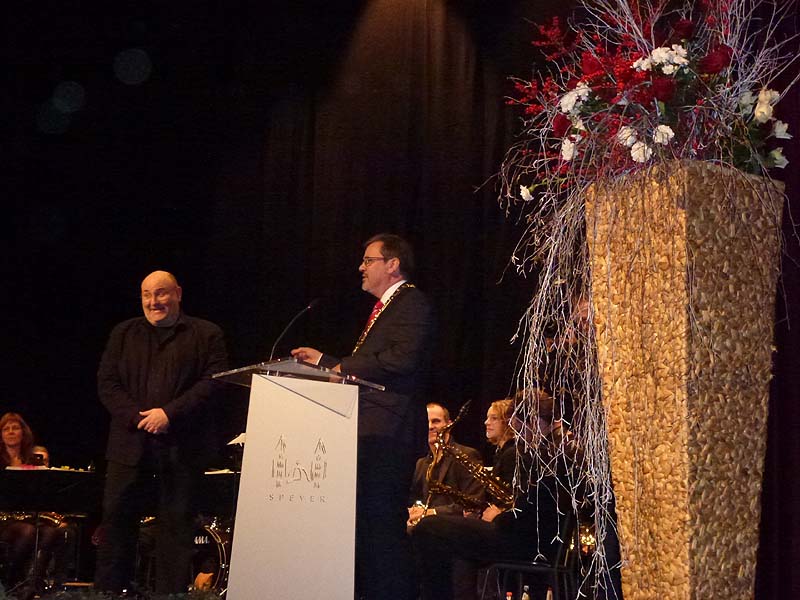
(685, 260)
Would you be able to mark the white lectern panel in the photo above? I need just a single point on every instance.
(294, 535)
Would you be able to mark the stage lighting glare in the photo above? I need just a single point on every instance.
(69, 96)
(132, 66)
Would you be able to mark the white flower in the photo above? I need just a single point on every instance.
(781, 130)
(568, 101)
(678, 56)
(663, 134)
(777, 158)
(567, 149)
(766, 99)
(577, 123)
(641, 152)
(762, 112)
(525, 193)
(626, 136)
(661, 55)
(669, 59)
(571, 101)
(766, 96)
(746, 102)
(583, 90)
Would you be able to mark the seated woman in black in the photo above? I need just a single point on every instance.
(500, 434)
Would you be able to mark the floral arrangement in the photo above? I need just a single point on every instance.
(641, 81)
(629, 85)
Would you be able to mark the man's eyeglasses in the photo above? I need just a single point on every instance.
(368, 260)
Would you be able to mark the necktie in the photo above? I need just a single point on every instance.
(372, 316)
(375, 310)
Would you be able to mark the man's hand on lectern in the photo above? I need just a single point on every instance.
(306, 354)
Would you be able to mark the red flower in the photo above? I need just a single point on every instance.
(643, 96)
(716, 60)
(590, 65)
(663, 88)
(561, 125)
(683, 29)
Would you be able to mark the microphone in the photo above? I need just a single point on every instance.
(308, 307)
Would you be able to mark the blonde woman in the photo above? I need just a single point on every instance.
(500, 434)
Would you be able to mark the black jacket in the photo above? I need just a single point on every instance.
(396, 354)
(451, 473)
(145, 367)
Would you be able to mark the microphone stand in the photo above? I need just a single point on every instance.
(310, 305)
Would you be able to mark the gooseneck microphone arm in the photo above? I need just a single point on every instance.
(308, 307)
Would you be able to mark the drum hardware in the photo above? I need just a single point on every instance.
(209, 565)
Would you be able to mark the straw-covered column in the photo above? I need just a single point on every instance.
(684, 262)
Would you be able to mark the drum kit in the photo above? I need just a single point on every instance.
(210, 561)
(212, 537)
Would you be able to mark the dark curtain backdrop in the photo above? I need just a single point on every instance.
(269, 140)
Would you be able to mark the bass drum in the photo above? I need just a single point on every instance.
(210, 559)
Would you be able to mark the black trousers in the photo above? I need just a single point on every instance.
(449, 549)
(384, 566)
(129, 493)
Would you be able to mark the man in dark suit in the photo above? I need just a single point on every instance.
(448, 472)
(393, 350)
(155, 381)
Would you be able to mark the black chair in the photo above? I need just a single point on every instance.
(561, 575)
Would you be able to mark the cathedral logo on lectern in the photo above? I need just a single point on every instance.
(297, 477)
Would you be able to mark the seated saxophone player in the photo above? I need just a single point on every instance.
(448, 550)
(442, 485)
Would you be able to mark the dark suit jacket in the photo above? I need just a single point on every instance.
(396, 354)
(451, 473)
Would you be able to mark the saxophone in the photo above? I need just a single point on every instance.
(499, 490)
